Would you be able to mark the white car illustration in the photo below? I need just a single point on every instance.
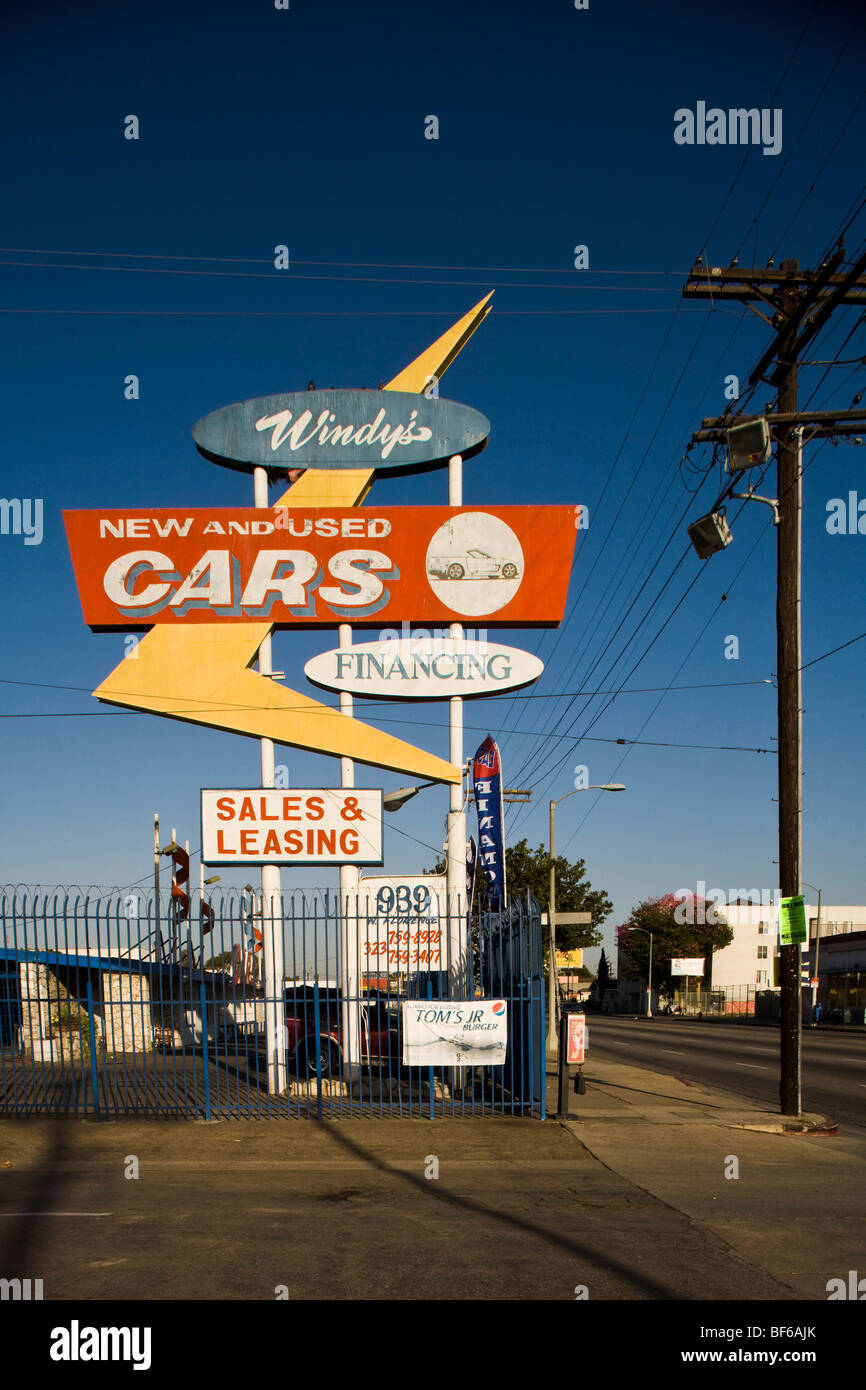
(473, 564)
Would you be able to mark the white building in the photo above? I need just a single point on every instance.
(753, 955)
(752, 958)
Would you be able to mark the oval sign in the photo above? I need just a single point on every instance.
(424, 667)
(391, 431)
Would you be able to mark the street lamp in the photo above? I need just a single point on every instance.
(392, 801)
(814, 973)
(649, 992)
(552, 1035)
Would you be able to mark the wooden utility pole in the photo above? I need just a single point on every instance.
(789, 680)
(802, 301)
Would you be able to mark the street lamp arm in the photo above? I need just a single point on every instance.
(595, 787)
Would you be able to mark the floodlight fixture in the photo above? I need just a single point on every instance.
(710, 534)
(748, 445)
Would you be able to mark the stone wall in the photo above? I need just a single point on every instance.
(122, 1019)
(127, 1021)
(54, 1022)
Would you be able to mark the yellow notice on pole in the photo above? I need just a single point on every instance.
(792, 921)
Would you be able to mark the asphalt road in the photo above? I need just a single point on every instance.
(739, 1058)
(342, 1210)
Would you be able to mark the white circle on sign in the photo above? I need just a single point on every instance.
(475, 564)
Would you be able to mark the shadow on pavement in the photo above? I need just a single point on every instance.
(21, 1235)
(653, 1288)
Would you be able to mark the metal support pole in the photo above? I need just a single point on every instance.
(174, 925)
(564, 1090)
(455, 869)
(552, 1035)
(273, 949)
(350, 876)
(157, 922)
(649, 993)
(817, 950)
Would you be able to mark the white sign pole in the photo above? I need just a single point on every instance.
(272, 901)
(456, 840)
(175, 929)
(350, 980)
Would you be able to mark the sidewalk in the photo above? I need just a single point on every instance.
(616, 1091)
(630, 1201)
(772, 1188)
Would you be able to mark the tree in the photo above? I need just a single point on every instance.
(219, 962)
(603, 977)
(671, 937)
(529, 870)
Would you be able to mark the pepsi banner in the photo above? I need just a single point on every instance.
(455, 1033)
(487, 784)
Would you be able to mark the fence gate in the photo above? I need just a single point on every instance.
(116, 1004)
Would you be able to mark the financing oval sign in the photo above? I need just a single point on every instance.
(391, 431)
(424, 668)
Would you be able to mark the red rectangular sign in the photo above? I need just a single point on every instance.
(320, 567)
(576, 1039)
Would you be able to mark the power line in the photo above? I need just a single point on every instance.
(277, 277)
(834, 650)
(724, 204)
(356, 265)
(646, 651)
(793, 145)
(606, 598)
(639, 690)
(412, 723)
(332, 313)
(685, 659)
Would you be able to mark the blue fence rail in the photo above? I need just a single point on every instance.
(117, 1004)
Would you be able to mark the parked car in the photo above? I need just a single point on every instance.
(473, 564)
(315, 1042)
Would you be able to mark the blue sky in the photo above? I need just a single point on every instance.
(306, 127)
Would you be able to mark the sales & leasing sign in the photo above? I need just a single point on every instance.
(302, 826)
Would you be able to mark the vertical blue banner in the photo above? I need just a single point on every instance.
(487, 785)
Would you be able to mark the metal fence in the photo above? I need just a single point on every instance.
(125, 1004)
(746, 1002)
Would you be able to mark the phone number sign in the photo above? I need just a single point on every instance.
(403, 923)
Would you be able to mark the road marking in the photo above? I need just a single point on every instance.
(56, 1213)
(672, 1051)
(751, 1065)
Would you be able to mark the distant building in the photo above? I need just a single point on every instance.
(748, 969)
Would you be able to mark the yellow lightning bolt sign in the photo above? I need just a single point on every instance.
(201, 673)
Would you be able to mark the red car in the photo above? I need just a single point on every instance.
(311, 1047)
